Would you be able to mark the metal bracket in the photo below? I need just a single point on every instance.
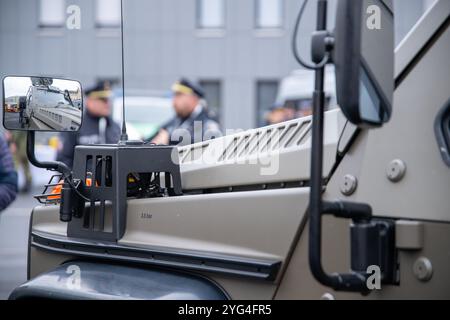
(105, 171)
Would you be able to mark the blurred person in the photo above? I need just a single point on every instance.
(98, 127)
(8, 176)
(275, 115)
(18, 146)
(191, 113)
(305, 108)
(280, 113)
(22, 108)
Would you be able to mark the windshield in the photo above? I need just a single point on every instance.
(49, 98)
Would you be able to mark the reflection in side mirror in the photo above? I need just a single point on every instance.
(42, 104)
(363, 55)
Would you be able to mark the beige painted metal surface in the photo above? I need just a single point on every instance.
(278, 153)
(420, 34)
(423, 192)
(298, 282)
(259, 225)
(254, 224)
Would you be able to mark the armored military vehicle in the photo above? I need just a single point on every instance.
(52, 109)
(346, 204)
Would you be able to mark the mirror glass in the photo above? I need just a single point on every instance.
(42, 104)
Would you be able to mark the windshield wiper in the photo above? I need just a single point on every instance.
(68, 98)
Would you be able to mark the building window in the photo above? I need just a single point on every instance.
(108, 14)
(51, 13)
(213, 96)
(269, 14)
(211, 14)
(266, 96)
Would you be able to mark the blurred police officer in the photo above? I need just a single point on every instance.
(98, 126)
(192, 123)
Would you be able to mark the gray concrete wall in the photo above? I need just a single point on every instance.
(162, 43)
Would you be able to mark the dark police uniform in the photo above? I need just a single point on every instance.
(93, 130)
(199, 126)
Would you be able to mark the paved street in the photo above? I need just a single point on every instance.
(12, 122)
(14, 224)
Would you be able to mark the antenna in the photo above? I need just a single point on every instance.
(124, 135)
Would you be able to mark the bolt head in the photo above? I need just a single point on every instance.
(396, 170)
(327, 296)
(423, 269)
(349, 184)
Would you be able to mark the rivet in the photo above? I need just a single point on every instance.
(348, 185)
(396, 170)
(423, 269)
(327, 296)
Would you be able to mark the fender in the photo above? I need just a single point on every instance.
(97, 281)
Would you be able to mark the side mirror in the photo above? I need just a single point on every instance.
(363, 56)
(363, 53)
(42, 104)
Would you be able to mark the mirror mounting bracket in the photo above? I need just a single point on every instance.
(322, 42)
(49, 165)
(71, 197)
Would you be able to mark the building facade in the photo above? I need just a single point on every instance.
(238, 49)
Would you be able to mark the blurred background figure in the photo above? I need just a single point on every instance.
(22, 108)
(98, 126)
(18, 146)
(192, 122)
(281, 113)
(305, 107)
(294, 96)
(8, 176)
(275, 115)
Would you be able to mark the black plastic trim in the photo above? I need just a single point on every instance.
(442, 131)
(108, 281)
(30, 229)
(247, 188)
(190, 260)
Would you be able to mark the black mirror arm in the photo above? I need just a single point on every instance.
(71, 196)
(49, 165)
(353, 281)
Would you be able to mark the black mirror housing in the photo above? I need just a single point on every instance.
(363, 56)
